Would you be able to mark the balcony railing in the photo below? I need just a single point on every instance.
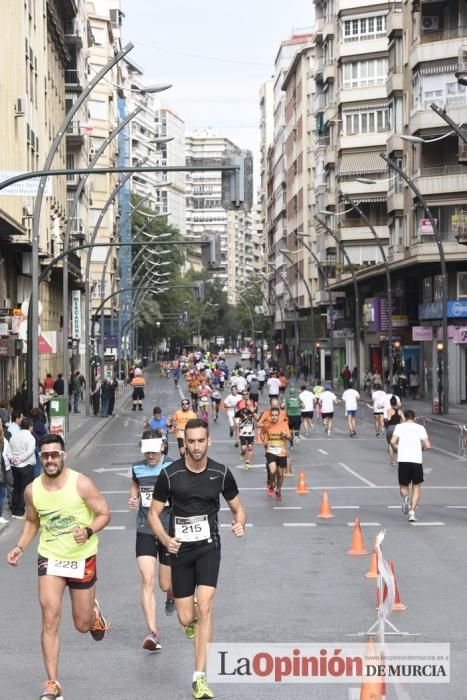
(441, 170)
(72, 76)
(443, 35)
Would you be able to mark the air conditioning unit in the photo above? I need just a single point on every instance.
(19, 107)
(430, 23)
(27, 211)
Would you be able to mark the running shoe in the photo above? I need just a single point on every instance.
(200, 689)
(405, 505)
(412, 518)
(190, 630)
(52, 691)
(236, 444)
(329, 433)
(247, 464)
(231, 432)
(270, 490)
(377, 434)
(152, 642)
(169, 606)
(100, 626)
(278, 495)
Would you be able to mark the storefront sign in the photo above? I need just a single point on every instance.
(459, 334)
(76, 314)
(399, 321)
(425, 228)
(24, 188)
(457, 309)
(376, 316)
(422, 333)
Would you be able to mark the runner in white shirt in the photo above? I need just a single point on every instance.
(261, 374)
(308, 399)
(273, 386)
(378, 397)
(230, 404)
(350, 398)
(327, 401)
(240, 382)
(410, 439)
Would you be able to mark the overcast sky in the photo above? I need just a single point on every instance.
(216, 53)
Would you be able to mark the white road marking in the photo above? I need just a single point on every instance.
(399, 506)
(343, 488)
(457, 507)
(299, 524)
(229, 525)
(111, 492)
(287, 507)
(426, 524)
(358, 476)
(120, 511)
(115, 527)
(101, 470)
(366, 524)
(345, 507)
(252, 466)
(450, 454)
(125, 424)
(427, 470)
(322, 451)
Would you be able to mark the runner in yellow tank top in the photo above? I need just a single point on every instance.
(69, 510)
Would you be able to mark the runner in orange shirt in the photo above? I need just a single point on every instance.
(179, 420)
(274, 434)
(138, 383)
(263, 420)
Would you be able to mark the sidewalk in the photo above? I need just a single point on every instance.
(423, 408)
(83, 429)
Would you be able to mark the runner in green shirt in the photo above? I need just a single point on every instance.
(293, 409)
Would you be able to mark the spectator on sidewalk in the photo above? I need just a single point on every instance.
(95, 394)
(114, 386)
(16, 402)
(14, 425)
(346, 376)
(48, 382)
(23, 450)
(106, 391)
(5, 455)
(59, 385)
(76, 391)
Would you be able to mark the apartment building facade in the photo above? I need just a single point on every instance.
(380, 68)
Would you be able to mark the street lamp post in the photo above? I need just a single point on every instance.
(355, 286)
(444, 277)
(362, 214)
(33, 312)
(302, 276)
(281, 311)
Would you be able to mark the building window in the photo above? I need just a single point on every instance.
(366, 122)
(364, 28)
(462, 285)
(359, 74)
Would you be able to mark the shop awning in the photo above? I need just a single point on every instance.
(361, 163)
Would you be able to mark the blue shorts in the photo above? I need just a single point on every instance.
(351, 413)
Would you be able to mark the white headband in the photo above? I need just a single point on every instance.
(151, 445)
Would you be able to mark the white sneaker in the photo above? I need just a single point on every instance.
(412, 518)
(329, 433)
(405, 505)
(3, 521)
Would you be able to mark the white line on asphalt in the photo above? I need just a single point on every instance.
(345, 507)
(125, 424)
(426, 524)
(427, 470)
(229, 525)
(287, 507)
(120, 511)
(322, 451)
(299, 524)
(115, 527)
(457, 507)
(366, 524)
(107, 492)
(399, 506)
(450, 454)
(362, 478)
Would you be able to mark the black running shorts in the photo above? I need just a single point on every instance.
(294, 422)
(307, 414)
(149, 546)
(138, 393)
(90, 573)
(197, 567)
(410, 472)
(247, 439)
(280, 461)
(180, 442)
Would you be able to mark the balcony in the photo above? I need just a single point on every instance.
(443, 178)
(330, 156)
(350, 232)
(73, 79)
(72, 37)
(395, 201)
(395, 81)
(74, 135)
(438, 46)
(364, 46)
(319, 102)
(72, 181)
(329, 71)
(395, 22)
(318, 68)
(427, 119)
(76, 228)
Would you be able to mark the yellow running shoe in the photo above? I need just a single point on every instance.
(190, 629)
(200, 689)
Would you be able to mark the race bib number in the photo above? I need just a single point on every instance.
(274, 450)
(194, 529)
(66, 569)
(146, 496)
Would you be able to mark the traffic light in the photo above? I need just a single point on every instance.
(198, 290)
(237, 185)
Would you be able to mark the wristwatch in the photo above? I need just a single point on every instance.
(89, 531)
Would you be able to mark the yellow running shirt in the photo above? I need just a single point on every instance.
(60, 512)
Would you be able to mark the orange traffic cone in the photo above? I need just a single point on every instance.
(398, 606)
(371, 688)
(325, 509)
(358, 545)
(301, 486)
(373, 570)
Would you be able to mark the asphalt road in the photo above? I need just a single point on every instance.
(289, 580)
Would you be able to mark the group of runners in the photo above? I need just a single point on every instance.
(177, 505)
